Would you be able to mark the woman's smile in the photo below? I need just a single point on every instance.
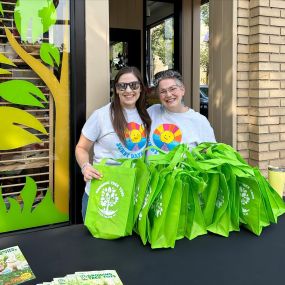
(128, 96)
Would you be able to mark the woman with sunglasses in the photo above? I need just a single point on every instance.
(118, 130)
(173, 122)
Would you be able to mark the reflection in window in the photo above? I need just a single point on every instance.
(204, 57)
(160, 38)
(161, 47)
(118, 59)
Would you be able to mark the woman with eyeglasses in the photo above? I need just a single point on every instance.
(173, 122)
(118, 130)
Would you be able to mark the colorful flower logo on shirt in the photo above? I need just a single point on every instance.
(135, 136)
(167, 136)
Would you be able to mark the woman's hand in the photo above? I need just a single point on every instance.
(89, 172)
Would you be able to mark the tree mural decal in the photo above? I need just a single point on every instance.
(40, 16)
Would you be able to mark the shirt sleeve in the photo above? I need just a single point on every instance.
(153, 109)
(91, 129)
(206, 133)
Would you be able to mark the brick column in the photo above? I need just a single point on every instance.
(265, 78)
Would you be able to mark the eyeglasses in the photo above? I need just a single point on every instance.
(122, 86)
(171, 89)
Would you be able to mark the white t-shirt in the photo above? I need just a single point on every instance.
(169, 129)
(98, 128)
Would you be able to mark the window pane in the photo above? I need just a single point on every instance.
(118, 59)
(204, 57)
(161, 47)
(34, 112)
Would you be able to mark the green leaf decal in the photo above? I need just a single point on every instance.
(4, 71)
(1, 9)
(6, 60)
(21, 92)
(27, 215)
(28, 194)
(40, 14)
(3, 208)
(50, 53)
(15, 208)
(13, 135)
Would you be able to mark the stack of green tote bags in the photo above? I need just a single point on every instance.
(181, 194)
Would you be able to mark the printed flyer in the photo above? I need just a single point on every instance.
(103, 277)
(14, 268)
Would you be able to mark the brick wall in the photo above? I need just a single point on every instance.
(261, 82)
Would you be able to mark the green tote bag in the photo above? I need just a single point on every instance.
(111, 201)
(143, 177)
(168, 227)
(142, 223)
(158, 212)
(195, 223)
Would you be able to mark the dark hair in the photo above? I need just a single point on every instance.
(117, 115)
(167, 74)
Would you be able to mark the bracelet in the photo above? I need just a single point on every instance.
(84, 166)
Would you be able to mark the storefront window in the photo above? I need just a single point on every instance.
(161, 47)
(160, 37)
(118, 60)
(34, 113)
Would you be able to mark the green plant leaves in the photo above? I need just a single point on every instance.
(12, 133)
(49, 54)
(41, 14)
(21, 92)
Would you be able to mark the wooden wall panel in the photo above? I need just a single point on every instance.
(126, 14)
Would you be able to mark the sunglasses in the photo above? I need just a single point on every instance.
(122, 86)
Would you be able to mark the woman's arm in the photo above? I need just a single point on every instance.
(82, 156)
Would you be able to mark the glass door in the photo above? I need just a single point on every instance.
(162, 37)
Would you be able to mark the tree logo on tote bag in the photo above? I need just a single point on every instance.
(111, 193)
(246, 196)
(157, 206)
(220, 199)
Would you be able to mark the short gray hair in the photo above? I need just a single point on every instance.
(167, 74)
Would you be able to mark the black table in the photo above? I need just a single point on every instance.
(243, 258)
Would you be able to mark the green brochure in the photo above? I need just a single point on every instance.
(14, 268)
(104, 277)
